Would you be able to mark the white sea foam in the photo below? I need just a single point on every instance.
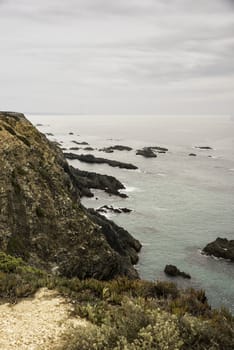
(129, 189)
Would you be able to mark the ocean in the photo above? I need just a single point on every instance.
(180, 203)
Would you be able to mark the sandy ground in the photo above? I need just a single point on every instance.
(36, 323)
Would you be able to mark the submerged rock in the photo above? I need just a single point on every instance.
(107, 208)
(80, 143)
(173, 271)
(146, 152)
(41, 217)
(192, 154)
(159, 149)
(89, 158)
(111, 149)
(221, 248)
(204, 147)
(88, 149)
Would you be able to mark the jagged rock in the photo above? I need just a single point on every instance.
(89, 158)
(87, 180)
(111, 149)
(106, 208)
(146, 152)
(117, 237)
(41, 217)
(173, 271)
(221, 248)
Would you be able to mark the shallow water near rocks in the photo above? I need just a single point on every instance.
(179, 203)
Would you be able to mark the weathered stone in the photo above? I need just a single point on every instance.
(221, 248)
(173, 271)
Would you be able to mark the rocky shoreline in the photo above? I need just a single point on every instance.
(91, 159)
(42, 219)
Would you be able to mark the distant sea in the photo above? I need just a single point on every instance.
(180, 203)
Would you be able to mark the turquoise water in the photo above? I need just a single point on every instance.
(179, 203)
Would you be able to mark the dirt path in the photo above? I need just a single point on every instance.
(36, 323)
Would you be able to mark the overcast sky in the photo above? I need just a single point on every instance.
(117, 56)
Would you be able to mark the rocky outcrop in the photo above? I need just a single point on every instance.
(80, 143)
(111, 149)
(109, 208)
(146, 152)
(173, 271)
(118, 238)
(150, 152)
(89, 158)
(204, 147)
(159, 149)
(221, 248)
(85, 181)
(41, 217)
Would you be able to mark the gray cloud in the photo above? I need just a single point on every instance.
(107, 56)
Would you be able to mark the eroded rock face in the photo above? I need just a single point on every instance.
(221, 248)
(41, 218)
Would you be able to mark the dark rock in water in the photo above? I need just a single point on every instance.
(89, 158)
(87, 180)
(204, 147)
(39, 125)
(111, 149)
(192, 154)
(49, 134)
(159, 149)
(64, 149)
(88, 149)
(80, 143)
(118, 238)
(146, 152)
(42, 219)
(221, 248)
(173, 271)
(71, 133)
(106, 208)
(74, 148)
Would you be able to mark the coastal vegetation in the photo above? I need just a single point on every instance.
(125, 314)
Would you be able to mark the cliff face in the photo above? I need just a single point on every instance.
(41, 218)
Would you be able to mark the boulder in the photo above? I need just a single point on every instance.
(221, 248)
(173, 271)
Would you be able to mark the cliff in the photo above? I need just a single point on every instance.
(41, 217)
